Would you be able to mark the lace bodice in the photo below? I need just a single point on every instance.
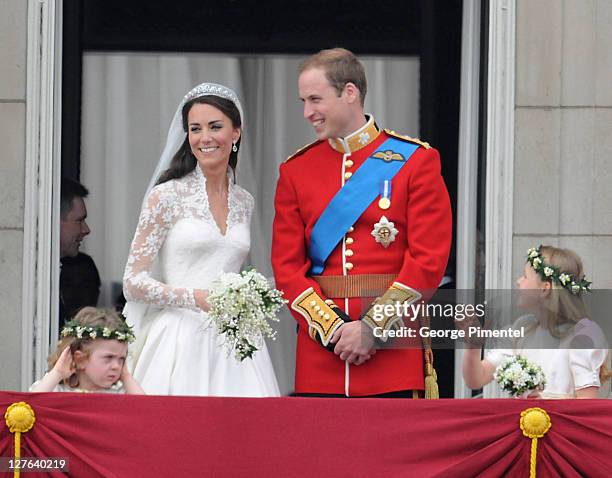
(178, 246)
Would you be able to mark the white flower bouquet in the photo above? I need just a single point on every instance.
(519, 377)
(241, 306)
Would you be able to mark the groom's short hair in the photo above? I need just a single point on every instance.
(341, 66)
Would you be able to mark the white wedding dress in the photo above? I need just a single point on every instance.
(177, 248)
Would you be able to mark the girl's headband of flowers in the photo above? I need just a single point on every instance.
(124, 333)
(551, 272)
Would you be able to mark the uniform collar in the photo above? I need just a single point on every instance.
(358, 139)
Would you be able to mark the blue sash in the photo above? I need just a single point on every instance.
(354, 197)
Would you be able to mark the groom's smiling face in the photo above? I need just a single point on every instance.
(211, 135)
(329, 113)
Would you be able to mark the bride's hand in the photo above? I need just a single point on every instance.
(201, 296)
(534, 394)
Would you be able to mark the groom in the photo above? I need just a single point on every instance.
(362, 214)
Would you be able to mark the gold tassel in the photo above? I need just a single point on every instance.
(534, 423)
(431, 382)
(432, 391)
(20, 418)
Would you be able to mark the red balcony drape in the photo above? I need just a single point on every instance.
(142, 436)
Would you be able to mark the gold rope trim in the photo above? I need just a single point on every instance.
(432, 390)
(20, 418)
(534, 423)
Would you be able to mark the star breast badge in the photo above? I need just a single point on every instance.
(384, 232)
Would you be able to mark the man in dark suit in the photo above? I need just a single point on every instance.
(79, 278)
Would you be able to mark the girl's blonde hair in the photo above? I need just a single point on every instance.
(86, 316)
(565, 309)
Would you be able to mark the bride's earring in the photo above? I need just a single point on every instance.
(235, 148)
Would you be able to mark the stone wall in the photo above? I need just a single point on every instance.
(563, 139)
(12, 179)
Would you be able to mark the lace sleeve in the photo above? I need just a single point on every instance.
(156, 219)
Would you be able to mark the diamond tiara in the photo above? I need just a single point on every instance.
(211, 89)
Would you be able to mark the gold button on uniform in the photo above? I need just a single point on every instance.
(347, 175)
(351, 229)
(348, 163)
(349, 240)
(348, 266)
(348, 253)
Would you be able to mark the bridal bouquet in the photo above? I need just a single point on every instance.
(519, 377)
(241, 306)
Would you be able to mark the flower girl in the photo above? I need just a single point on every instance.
(90, 356)
(551, 291)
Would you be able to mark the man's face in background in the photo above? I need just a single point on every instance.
(73, 228)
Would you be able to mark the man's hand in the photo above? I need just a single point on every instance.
(354, 342)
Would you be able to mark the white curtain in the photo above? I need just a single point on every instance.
(128, 102)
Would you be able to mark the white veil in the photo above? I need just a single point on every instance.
(138, 314)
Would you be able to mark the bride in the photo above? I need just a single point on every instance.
(194, 225)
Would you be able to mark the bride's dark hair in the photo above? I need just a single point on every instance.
(183, 162)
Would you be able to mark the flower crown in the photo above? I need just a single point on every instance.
(123, 333)
(552, 272)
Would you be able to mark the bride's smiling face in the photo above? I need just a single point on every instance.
(211, 135)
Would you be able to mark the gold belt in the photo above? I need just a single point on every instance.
(356, 285)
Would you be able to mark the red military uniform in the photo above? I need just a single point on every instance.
(416, 256)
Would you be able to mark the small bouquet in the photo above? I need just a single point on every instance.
(519, 377)
(240, 307)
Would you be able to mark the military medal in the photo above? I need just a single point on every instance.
(384, 232)
(385, 195)
(384, 203)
